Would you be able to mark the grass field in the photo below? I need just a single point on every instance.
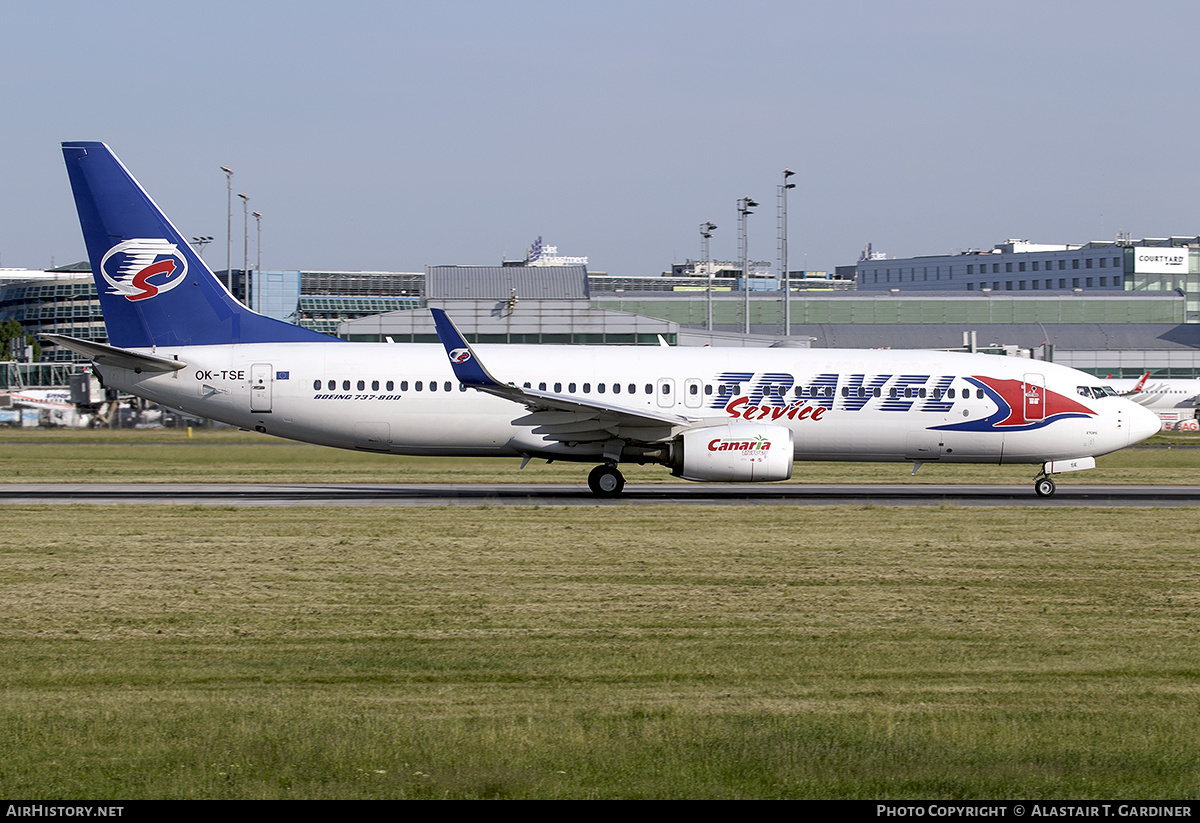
(640, 652)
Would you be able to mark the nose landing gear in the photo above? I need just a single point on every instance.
(1044, 486)
(606, 481)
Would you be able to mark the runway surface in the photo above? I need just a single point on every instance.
(316, 494)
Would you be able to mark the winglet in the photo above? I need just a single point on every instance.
(467, 366)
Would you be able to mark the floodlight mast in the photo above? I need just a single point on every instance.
(783, 251)
(706, 230)
(228, 228)
(744, 206)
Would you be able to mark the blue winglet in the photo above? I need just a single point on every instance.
(467, 367)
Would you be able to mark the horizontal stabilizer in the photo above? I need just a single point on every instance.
(112, 356)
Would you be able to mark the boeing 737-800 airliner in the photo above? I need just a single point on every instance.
(177, 337)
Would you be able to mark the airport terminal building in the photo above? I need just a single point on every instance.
(1147, 265)
(1110, 308)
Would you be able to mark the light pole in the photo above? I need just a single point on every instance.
(258, 240)
(258, 255)
(200, 243)
(246, 244)
(783, 251)
(706, 230)
(228, 228)
(744, 206)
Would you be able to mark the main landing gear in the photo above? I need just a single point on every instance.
(1043, 485)
(606, 481)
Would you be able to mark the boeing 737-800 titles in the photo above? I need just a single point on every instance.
(177, 337)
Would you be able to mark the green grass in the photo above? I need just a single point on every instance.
(229, 456)
(645, 652)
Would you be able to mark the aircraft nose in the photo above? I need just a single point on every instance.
(1142, 423)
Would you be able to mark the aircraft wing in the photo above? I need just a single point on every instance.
(558, 417)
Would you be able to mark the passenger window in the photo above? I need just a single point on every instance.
(558, 387)
(417, 386)
(600, 388)
(666, 388)
(332, 385)
(317, 385)
(649, 389)
(403, 385)
(362, 384)
(587, 388)
(433, 385)
(632, 388)
(979, 394)
(693, 389)
(722, 390)
(950, 394)
(878, 392)
(571, 388)
(374, 385)
(345, 385)
(446, 385)
(616, 388)
(391, 385)
(541, 386)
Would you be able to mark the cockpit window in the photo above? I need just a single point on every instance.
(1096, 392)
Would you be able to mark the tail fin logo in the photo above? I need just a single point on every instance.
(460, 355)
(143, 268)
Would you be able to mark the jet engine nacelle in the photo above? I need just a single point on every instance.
(735, 452)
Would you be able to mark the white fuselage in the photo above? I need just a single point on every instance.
(840, 404)
(1160, 395)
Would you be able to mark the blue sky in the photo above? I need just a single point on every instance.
(391, 136)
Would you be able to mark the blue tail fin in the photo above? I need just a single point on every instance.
(154, 289)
